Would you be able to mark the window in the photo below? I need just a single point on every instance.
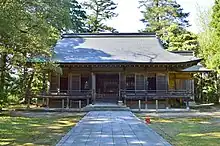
(140, 82)
(130, 82)
(162, 82)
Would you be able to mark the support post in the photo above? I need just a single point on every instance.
(187, 103)
(146, 103)
(48, 100)
(62, 103)
(93, 88)
(67, 102)
(87, 101)
(167, 103)
(156, 105)
(139, 105)
(43, 100)
(80, 105)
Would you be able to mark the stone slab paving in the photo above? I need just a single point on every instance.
(112, 128)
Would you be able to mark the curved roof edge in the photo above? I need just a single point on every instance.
(174, 63)
(197, 68)
(74, 35)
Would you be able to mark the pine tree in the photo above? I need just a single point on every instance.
(99, 11)
(167, 19)
(215, 23)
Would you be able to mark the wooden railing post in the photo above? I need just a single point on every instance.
(139, 105)
(48, 100)
(167, 103)
(146, 107)
(62, 103)
(67, 103)
(156, 105)
(87, 101)
(187, 103)
(80, 105)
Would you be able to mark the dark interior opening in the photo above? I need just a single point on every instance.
(63, 84)
(107, 83)
(85, 82)
(152, 83)
(130, 82)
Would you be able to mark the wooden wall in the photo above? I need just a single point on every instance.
(164, 80)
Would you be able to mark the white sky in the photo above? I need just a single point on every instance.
(129, 16)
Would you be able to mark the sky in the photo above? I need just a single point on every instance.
(129, 16)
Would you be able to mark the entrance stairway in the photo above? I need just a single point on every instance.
(105, 107)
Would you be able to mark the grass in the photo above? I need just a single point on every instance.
(188, 131)
(41, 131)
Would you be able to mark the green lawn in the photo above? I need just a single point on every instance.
(188, 131)
(42, 131)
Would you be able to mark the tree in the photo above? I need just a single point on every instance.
(177, 39)
(167, 19)
(28, 30)
(215, 22)
(209, 50)
(99, 11)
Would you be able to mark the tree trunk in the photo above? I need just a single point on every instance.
(3, 61)
(24, 85)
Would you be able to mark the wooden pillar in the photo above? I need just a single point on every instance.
(119, 86)
(80, 105)
(167, 103)
(146, 103)
(62, 103)
(187, 103)
(156, 105)
(48, 100)
(125, 102)
(87, 101)
(139, 105)
(123, 85)
(67, 102)
(93, 88)
(58, 83)
(43, 100)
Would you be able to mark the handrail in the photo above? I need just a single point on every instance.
(154, 93)
(67, 92)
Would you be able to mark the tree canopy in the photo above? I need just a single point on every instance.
(98, 12)
(29, 29)
(167, 19)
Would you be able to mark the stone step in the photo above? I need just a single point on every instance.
(106, 107)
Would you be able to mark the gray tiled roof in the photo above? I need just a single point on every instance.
(197, 68)
(114, 48)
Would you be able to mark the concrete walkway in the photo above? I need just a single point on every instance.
(111, 128)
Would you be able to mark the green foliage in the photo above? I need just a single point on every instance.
(99, 11)
(209, 50)
(28, 30)
(167, 19)
(160, 14)
(215, 22)
(180, 39)
(206, 88)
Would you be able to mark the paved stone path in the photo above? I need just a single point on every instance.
(111, 128)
